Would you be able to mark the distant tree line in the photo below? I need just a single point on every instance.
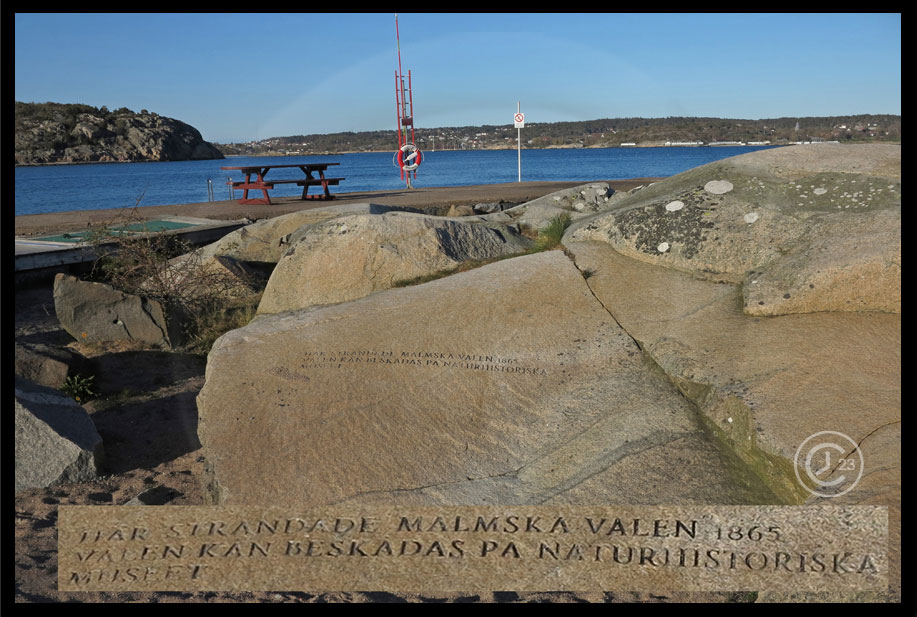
(602, 132)
(66, 113)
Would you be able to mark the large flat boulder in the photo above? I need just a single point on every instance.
(763, 385)
(351, 256)
(95, 312)
(507, 384)
(807, 228)
(849, 262)
(56, 440)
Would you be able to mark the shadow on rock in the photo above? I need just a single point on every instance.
(57, 338)
(144, 371)
(146, 434)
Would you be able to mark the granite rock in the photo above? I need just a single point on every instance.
(43, 364)
(56, 440)
(807, 228)
(96, 312)
(398, 397)
(80, 134)
(764, 385)
(266, 241)
(351, 256)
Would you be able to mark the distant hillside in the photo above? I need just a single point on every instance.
(74, 133)
(602, 133)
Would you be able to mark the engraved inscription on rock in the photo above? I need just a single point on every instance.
(482, 548)
(508, 384)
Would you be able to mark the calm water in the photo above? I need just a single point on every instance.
(62, 188)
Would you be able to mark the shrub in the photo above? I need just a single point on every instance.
(165, 268)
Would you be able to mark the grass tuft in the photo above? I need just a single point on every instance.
(550, 236)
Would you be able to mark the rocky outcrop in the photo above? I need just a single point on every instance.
(56, 440)
(549, 378)
(575, 203)
(351, 256)
(95, 312)
(764, 385)
(767, 288)
(56, 133)
(805, 228)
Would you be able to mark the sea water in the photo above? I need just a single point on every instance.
(62, 188)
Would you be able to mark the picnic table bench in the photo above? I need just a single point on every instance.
(260, 184)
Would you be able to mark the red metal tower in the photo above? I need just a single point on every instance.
(408, 156)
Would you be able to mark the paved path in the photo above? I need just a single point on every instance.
(517, 192)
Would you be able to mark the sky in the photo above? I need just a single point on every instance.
(244, 76)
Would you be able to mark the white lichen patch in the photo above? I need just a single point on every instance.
(751, 217)
(718, 187)
(663, 247)
(674, 206)
(820, 191)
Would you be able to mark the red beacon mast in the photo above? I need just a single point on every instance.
(408, 156)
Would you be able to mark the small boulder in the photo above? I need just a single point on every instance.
(43, 364)
(96, 312)
(56, 440)
(460, 211)
(497, 206)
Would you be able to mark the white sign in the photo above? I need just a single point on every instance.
(519, 121)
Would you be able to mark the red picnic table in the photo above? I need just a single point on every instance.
(260, 184)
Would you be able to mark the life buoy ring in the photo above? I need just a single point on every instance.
(409, 157)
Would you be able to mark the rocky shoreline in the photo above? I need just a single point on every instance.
(52, 133)
(687, 338)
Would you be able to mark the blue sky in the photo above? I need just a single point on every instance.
(237, 77)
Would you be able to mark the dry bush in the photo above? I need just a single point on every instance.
(168, 269)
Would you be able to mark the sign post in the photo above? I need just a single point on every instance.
(519, 123)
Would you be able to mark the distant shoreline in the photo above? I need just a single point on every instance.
(563, 147)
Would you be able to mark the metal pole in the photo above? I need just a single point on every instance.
(519, 144)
